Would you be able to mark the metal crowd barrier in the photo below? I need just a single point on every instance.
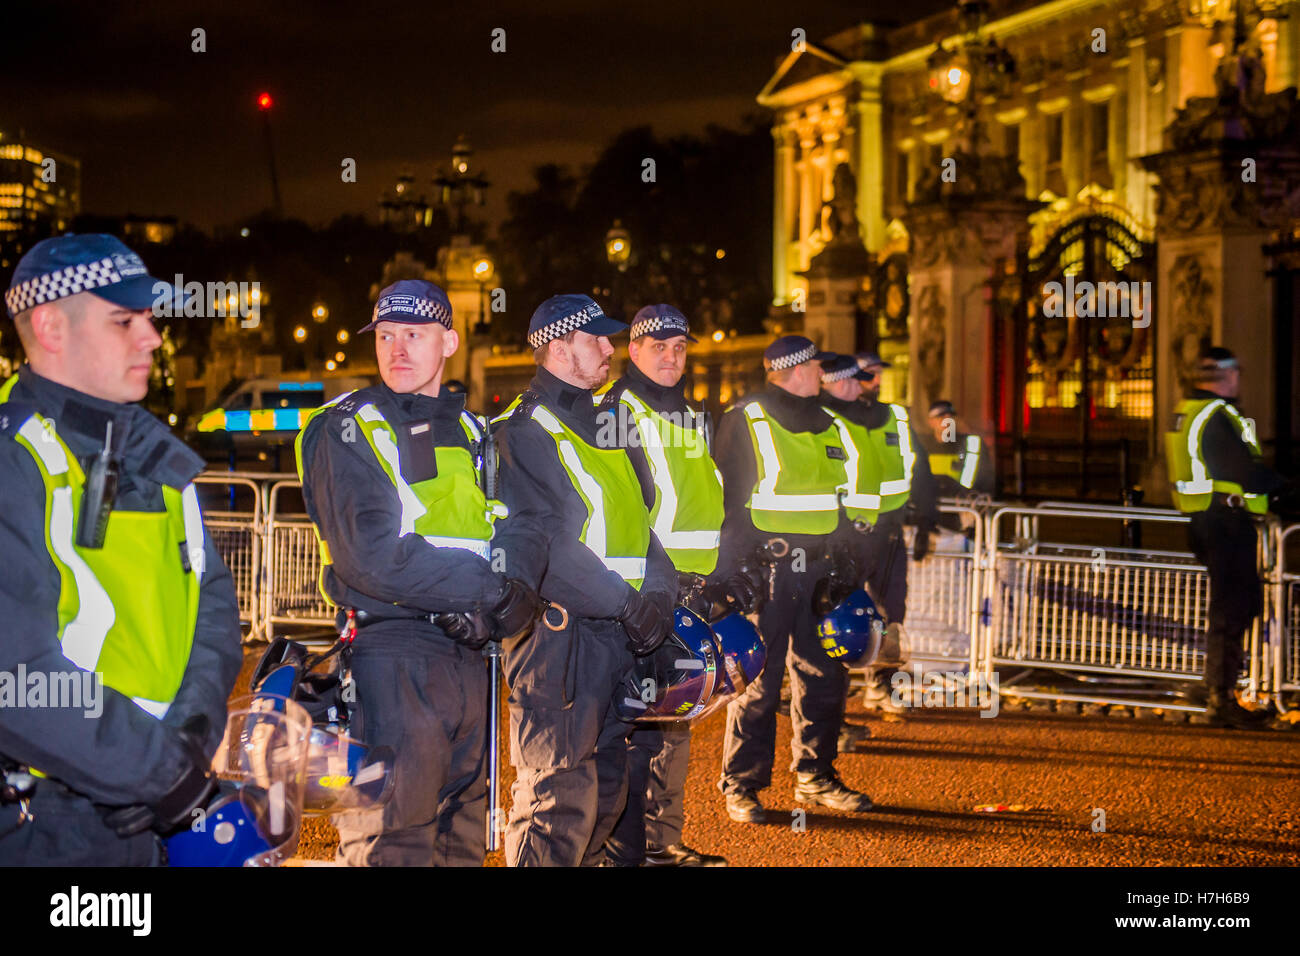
(943, 592)
(1069, 622)
(1284, 662)
(236, 533)
(293, 566)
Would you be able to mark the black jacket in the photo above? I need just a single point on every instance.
(923, 500)
(125, 756)
(737, 462)
(354, 504)
(1228, 458)
(545, 507)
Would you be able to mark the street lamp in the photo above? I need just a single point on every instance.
(484, 269)
(618, 250)
(300, 334)
(320, 312)
(343, 336)
(618, 246)
(974, 66)
(460, 185)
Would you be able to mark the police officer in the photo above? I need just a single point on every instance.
(842, 382)
(1213, 457)
(958, 459)
(904, 478)
(610, 585)
(390, 479)
(116, 605)
(667, 442)
(783, 465)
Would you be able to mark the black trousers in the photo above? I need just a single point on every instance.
(883, 554)
(1224, 540)
(67, 830)
(567, 744)
(426, 697)
(788, 625)
(657, 758)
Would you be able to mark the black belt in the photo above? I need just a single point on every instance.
(1228, 500)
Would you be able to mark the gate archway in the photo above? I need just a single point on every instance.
(1083, 356)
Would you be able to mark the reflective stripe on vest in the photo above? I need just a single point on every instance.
(772, 508)
(687, 525)
(892, 489)
(1193, 486)
(860, 495)
(970, 462)
(138, 640)
(631, 534)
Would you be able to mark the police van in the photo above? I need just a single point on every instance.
(263, 414)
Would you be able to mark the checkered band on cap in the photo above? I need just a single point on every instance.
(794, 358)
(401, 304)
(62, 283)
(841, 374)
(654, 324)
(564, 326)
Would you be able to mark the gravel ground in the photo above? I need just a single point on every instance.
(1172, 794)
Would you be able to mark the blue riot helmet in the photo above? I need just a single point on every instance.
(852, 631)
(342, 772)
(682, 679)
(257, 815)
(743, 650)
(345, 774)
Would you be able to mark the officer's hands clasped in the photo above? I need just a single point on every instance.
(646, 620)
(174, 810)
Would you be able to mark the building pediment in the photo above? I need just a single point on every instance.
(803, 75)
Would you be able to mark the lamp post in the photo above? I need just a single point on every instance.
(975, 65)
(618, 251)
(483, 269)
(460, 185)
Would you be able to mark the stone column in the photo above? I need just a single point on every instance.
(783, 184)
(955, 244)
(1229, 180)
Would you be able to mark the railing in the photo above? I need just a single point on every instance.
(1063, 621)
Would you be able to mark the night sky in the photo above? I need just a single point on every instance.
(163, 130)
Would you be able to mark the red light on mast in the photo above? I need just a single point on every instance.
(264, 101)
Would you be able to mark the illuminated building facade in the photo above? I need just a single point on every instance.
(992, 157)
(40, 195)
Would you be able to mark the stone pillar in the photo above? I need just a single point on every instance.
(835, 272)
(1229, 180)
(955, 244)
(783, 186)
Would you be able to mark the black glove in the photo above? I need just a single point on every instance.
(516, 612)
(829, 592)
(647, 624)
(472, 630)
(174, 810)
(921, 544)
(734, 593)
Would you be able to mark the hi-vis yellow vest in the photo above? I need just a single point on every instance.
(1193, 486)
(448, 510)
(961, 466)
(687, 513)
(126, 610)
(617, 529)
(800, 475)
(860, 493)
(896, 459)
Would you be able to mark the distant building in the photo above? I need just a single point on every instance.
(40, 195)
(952, 193)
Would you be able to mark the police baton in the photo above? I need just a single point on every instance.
(492, 651)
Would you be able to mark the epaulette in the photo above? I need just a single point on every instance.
(13, 415)
(612, 396)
